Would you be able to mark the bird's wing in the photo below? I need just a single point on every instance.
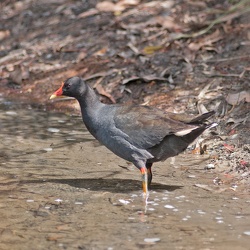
(146, 126)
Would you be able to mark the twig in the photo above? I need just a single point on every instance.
(224, 59)
(221, 75)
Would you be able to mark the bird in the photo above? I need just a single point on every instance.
(139, 134)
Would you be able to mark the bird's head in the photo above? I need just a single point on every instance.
(72, 87)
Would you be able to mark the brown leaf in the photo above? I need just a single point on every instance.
(168, 23)
(107, 6)
(4, 34)
(90, 12)
(102, 91)
(54, 237)
(206, 41)
(236, 98)
(19, 73)
(101, 52)
(81, 56)
(63, 227)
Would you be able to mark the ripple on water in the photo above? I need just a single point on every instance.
(124, 201)
(152, 240)
(11, 113)
(53, 130)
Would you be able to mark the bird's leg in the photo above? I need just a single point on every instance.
(144, 182)
(150, 176)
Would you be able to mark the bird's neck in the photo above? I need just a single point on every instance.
(89, 99)
(90, 109)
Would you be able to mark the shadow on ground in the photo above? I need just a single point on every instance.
(110, 185)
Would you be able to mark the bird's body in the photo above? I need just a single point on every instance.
(139, 134)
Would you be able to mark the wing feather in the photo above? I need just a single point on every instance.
(146, 126)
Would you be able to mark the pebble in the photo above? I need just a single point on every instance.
(210, 166)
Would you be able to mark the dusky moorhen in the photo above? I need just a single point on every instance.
(139, 134)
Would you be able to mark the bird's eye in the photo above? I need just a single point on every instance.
(67, 87)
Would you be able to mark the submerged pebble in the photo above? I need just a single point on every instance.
(152, 240)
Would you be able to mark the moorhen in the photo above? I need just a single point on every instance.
(139, 134)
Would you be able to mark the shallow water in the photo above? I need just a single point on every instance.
(59, 189)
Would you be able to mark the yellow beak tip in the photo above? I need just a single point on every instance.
(53, 97)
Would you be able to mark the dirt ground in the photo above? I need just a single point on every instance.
(59, 188)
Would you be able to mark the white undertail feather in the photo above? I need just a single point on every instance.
(185, 131)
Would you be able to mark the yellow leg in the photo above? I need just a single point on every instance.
(144, 182)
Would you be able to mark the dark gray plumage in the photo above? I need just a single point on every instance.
(139, 134)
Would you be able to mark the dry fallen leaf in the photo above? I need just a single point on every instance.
(4, 34)
(120, 6)
(206, 41)
(151, 49)
(168, 23)
(63, 227)
(19, 73)
(234, 99)
(90, 12)
(101, 52)
(145, 78)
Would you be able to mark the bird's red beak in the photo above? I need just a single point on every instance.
(58, 93)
